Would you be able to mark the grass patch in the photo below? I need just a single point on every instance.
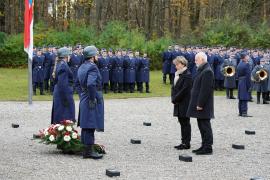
(14, 87)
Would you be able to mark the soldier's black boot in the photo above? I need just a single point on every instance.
(34, 89)
(264, 98)
(258, 97)
(89, 152)
(231, 94)
(147, 87)
(164, 78)
(227, 93)
(41, 89)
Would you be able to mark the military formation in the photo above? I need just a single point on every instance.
(122, 70)
(226, 65)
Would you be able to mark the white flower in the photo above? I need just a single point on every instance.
(74, 135)
(45, 132)
(61, 128)
(67, 138)
(69, 128)
(51, 138)
(56, 126)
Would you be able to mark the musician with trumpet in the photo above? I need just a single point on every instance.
(228, 70)
(259, 76)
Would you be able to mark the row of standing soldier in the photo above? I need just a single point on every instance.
(120, 72)
(220, 59)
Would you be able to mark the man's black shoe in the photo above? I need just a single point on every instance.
(205, 151)
(232, 97)
(196, 150)
(265, 102)
(182, 146)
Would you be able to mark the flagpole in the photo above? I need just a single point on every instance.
(30, 86)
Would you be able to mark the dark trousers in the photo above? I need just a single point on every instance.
(171, 78)
(264, 97)
(118, 87)
(206, 132)
(139, 86)
(88, 136)
(46, 84)
(185, 130)
(229, 92)
(242, 107)
(111, 85)
(146, 87)
(165, 78)
(105, 87)
(51, 86)
(38, 85)
(219, 84)
(130, 87)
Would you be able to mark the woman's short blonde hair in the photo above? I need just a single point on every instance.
(180, 59)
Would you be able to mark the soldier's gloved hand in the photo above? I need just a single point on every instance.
(65, 102)
(92, 103)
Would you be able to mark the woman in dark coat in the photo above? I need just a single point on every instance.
(180, 98)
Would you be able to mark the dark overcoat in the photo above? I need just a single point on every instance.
(104, 68)
(166, 66)
(89, 88)
(145, 70)
(63, 102)
(180, 94)
(130, 70)
(261, 86)
(118, 69)
(244, 81)
(38, 69)
(202, 94)
(229, 82)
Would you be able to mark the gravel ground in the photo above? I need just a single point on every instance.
(25, 158)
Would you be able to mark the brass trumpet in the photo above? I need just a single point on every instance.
(260, 75)
(229, 71)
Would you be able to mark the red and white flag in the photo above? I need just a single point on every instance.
(28, 27)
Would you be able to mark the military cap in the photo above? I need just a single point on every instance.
(90, 51)
(63, 52)
(243, 55)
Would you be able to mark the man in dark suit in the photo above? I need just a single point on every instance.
(201, 105)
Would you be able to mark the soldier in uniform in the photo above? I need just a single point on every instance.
(130, 72)
(111, 58)
(145, 72)
(244, 85)
(229, 82)
(103, 65)
(91, 108)
(118, 73)
(219, 78)
(38, 72)
(166, 66)
(74, 64)
(125, 59)
(261, 87)
(63, 102)
(138, 70)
